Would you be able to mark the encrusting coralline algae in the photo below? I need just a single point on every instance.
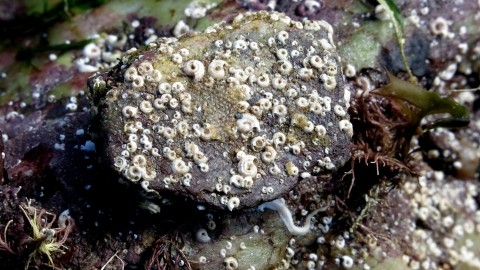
(233, 116)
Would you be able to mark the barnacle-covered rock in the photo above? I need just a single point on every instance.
(231, 117)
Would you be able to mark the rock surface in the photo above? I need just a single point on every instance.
(231, 117)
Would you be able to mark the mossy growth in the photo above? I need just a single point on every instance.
(300, 120)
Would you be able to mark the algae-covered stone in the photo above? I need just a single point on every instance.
(233, 116)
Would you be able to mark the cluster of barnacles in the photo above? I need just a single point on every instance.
(46, 239)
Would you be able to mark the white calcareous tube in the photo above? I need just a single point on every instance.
(285, 214)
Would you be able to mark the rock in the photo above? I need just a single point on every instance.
(2, 158)
(232, 117)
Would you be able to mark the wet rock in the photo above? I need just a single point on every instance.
(231, 117)
(418, 46)
(245, 237)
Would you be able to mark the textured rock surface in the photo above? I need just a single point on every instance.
(231, 117)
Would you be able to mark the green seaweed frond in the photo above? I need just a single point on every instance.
(426, 102)
(397, 20)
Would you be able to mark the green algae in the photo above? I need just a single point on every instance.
(364, 46)
(427, 102)
(361, 51)
(15, 84)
